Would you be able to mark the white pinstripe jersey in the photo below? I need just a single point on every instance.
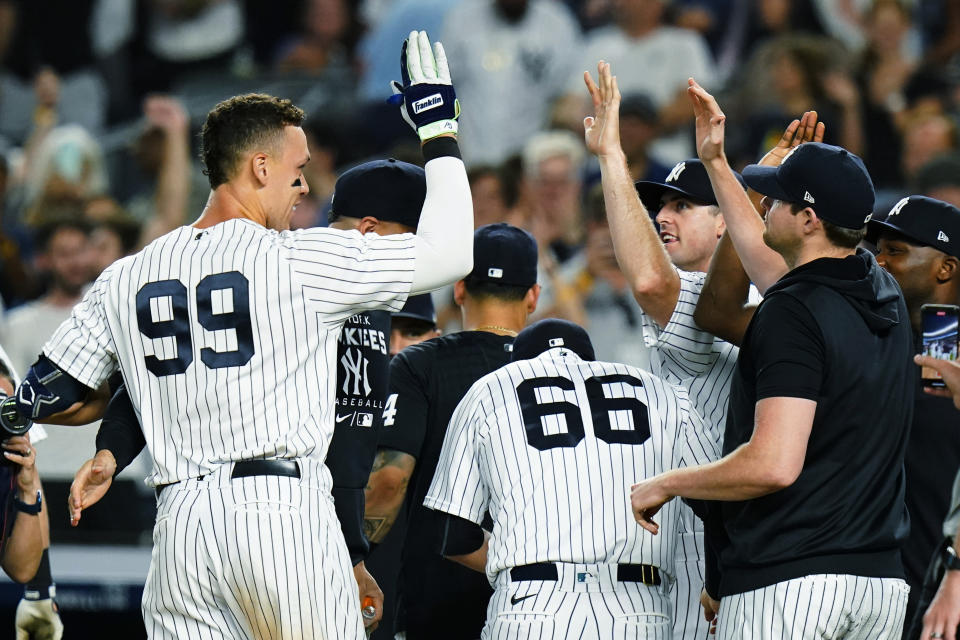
(551, 446)
(684, 354)
(226, 337)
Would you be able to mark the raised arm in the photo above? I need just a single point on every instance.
(429, 105)
(640, 253)
(723, 308)
(744, 224)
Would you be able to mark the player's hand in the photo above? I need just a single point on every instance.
(38, 620)
(943, 614)
(370, 596)
(91, 483)
(711, 609)
(20, 452)
(602, 130)
(806, 129)
(949, 371)
(710, 122)
(646, 498)
(426, 97)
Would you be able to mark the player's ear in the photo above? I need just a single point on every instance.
(720, 224)
(947, 269)
(368, 224)
(459, 290)
(258, 164)
(532, 297)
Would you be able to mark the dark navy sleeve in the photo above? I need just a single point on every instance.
(120, 431)
(408, 402)
(362, 370)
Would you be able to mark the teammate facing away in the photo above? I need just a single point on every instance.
(549, 444)
(225, 332)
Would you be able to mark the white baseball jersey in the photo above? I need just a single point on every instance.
(226, 337)
(685, 355)
(551, 447)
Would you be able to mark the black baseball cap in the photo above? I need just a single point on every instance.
(688, 178)
(389, 190)
(418, 307)
(830, 179)
(552, 333)
(504, 254)
(929, 222)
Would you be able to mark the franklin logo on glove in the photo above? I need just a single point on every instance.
(430, 102)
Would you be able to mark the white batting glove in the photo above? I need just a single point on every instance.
(429, 103)
(38, 620)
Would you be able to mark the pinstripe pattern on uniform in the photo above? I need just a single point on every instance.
(567, 504)
(280, 403)
(683, 354)
(570, 609)
(817, 607)
(221, 561)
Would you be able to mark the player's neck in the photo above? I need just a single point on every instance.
(502, 319)
(226, 202)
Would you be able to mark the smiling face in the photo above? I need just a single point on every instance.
(689, 231)
(912, 265)
(286, 184)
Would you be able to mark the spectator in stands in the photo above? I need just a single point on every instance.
(925, 137)
(65, 258)
(940, 178)
(329, 36)
(509, 60)
(112, 238)
(489, 199)
(638, 129)
(651, 58)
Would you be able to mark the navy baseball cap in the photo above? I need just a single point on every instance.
(830, 179)
(688, 178)
(552, 333)
(419, 307)
(504, 254)
(389, 190)
(929, 222)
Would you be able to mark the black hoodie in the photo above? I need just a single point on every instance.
(835, 331)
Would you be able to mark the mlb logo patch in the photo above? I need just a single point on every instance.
(555, 342)
(493, 272)
(365, 419)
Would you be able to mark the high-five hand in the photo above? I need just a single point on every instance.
(806, 129)
(602, 130)
(710, 122)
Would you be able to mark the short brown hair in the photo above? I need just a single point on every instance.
(840, 236)
(237, 125)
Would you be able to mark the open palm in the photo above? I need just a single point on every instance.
(602, 130)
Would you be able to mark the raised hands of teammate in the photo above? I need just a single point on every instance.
(710, 122)
(806, 129)
(427, 100)
(601, 131)
(90, 483)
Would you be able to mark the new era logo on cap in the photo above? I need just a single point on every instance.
(493, 272)
(942, 237)
(808, 197)
(430, 102)
(555, 342)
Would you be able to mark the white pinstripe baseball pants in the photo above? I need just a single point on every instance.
(566, 608)
(261, 557)
(688, 620)
(825, 606)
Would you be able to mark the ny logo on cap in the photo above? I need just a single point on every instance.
(493, 272)
(897, 207)
(676, 171)
(555, 342)
(942, 237)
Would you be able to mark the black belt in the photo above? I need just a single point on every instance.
(249, 468)
(645, 573)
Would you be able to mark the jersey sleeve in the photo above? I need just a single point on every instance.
(787, 350)
(83, 345)
(697, 443)
(407, 408)
(345, 272)
(687, 349)
(457, 487)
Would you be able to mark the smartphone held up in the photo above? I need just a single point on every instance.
(939, 326)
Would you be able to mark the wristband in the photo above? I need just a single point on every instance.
(29, 509)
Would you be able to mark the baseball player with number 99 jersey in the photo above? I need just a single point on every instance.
(551, 444)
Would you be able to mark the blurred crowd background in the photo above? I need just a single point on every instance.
(101, 102)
